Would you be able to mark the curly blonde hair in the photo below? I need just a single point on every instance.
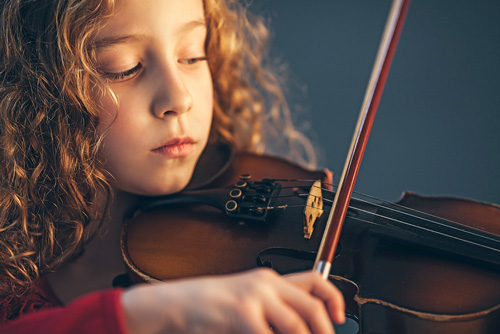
(51, 177)
(250, 110)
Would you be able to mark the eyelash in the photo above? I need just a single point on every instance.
(125, 74)
(192, 61)
(129, 73)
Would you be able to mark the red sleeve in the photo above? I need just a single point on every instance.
(96, 313)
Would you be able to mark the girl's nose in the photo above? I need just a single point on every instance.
(172, 95)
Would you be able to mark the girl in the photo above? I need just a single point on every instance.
(104, 101)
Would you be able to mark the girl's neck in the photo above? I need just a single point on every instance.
(122, 205)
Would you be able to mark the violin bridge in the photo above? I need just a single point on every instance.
(313, 209)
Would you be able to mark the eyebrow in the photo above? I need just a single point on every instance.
(191, 25)
(112, 40)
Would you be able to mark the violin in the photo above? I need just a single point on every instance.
(400, 267)
(420, 265)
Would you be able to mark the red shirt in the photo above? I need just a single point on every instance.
(42, 312)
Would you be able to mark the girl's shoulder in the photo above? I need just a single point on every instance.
(41, 297)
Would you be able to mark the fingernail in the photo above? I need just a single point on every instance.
(341, 317)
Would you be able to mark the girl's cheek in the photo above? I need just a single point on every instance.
(108, 109)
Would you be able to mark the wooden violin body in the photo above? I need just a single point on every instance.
(390, 287)
(200, 240)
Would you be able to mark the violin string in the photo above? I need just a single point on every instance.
(411, 214)
(427, 229)
(398, 211)
(403, 223)
(414, 211)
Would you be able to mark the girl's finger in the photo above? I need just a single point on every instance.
(284, 319)
(313, 283)
(311, 308)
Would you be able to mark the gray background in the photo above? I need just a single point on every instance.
(436, 129)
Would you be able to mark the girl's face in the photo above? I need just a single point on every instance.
(152, 52)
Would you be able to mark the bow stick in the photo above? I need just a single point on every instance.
(371, 100)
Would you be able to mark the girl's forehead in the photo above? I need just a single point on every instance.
(141, 16)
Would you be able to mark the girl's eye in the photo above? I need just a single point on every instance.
(192, 61)
(123, 75)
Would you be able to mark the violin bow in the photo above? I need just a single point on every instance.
(369, 107)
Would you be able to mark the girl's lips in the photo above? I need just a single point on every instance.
(176, 148)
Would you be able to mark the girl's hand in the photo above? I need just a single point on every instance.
(242, 303)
